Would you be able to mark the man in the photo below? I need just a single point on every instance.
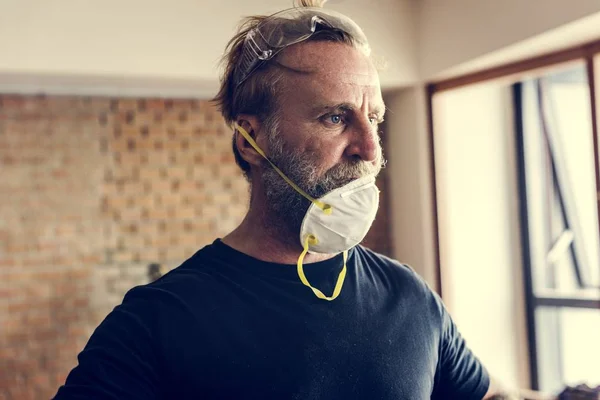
(288, 305)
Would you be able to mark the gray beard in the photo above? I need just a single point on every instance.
(286, 207)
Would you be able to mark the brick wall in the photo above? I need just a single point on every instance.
(170, 186)
(92, 191)
(51, 237)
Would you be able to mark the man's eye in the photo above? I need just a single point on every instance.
(375, 120)
(335, 119)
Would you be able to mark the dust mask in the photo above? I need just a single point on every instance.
(334, 223)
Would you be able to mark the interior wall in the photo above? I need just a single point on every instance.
(479, 225)
(132, 45)
(454, 32)
(93, 191)
(460, 35)
(135, 43)
(410, 185)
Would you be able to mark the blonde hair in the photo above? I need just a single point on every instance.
(256, 95)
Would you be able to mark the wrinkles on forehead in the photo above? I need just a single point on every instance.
(326, 57)
(329, 72)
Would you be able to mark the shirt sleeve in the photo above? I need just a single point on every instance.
(120, 360)
(459, 374)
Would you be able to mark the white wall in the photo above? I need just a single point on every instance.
(478, 221)
(164, 45)
(410, 184)
(455, 37)
(457, 31)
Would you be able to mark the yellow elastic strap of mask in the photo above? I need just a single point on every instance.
(310, 239)
(327, 209)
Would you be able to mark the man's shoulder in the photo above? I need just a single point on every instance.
(386, 264)
(189, 281)
(397, 277)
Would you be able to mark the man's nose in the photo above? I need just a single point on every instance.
(364, 143)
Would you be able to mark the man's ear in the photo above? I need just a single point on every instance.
(252, 125)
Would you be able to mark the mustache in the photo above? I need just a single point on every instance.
(343, 174)
(354, 170)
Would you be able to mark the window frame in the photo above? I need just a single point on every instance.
(516, 72)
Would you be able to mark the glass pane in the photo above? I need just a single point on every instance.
(580, 330)
(548, 350)
(568, 347)
(561, 189)
(569, 103)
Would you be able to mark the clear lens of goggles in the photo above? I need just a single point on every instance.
(289, 27)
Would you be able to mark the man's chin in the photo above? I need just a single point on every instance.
(322, 190)
(342, 182)
(346, 181)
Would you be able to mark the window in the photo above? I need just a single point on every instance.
(559, 213)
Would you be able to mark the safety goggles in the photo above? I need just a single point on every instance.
(289, 27)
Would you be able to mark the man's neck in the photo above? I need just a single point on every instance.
(262, 238)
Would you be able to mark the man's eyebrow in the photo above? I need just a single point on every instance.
(334, 107)
(346, 107)
(379, 109)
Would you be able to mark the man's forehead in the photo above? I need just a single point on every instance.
(324, 59)
(332, 79)
(330, 67)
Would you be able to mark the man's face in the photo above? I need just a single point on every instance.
(326, 135)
